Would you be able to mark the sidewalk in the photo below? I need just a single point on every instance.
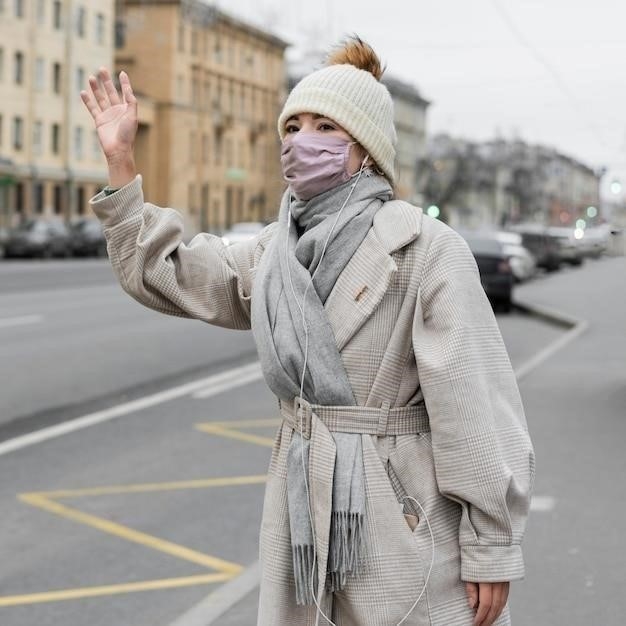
(575, 403)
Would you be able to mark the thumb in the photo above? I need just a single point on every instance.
(472, 594)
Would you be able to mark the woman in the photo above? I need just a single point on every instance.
(400, 479)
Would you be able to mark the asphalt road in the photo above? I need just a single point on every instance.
(134, 520)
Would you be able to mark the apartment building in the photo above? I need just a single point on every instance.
(210, 87)
(50, 161)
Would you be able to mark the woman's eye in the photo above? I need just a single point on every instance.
(291, 129)
(326, 127)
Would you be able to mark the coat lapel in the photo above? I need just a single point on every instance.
(367, 276)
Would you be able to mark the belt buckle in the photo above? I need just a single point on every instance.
(305, 406)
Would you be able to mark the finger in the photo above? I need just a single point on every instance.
(109, 87)
(101, 99)
(90, 103)
(505, 593)
(472, 594)
(127, 91)
(484, 603)
(496, 605)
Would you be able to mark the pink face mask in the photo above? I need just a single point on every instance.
(313, 163)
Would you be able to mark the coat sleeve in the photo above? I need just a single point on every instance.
(483, 455)
(203, 279)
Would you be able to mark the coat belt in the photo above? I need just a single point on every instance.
(381, 421)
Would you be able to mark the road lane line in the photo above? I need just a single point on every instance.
(212, 385)
(236, 434)
(107, 590)
(129, 534)
(577, 327)
(9, 322)
(203, 483)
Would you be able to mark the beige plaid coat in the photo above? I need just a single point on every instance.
(413, 326)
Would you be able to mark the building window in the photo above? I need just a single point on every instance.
(38, 138)
(100, 28)
(194, 42)
(80, 79)
(55, 142)
(19, 68)
(205, 148)
(1, 129)
(56, 78)
(80, 21)
(191, 191)
(39, 197)
(18, 133)
(41, 12)
(40, 78)
(1, 63)
(58, 199)
(57, 15)
(78, 142)
(18, 6)
(19, 198)
(217, 143)
(181, 36)
(80, 200)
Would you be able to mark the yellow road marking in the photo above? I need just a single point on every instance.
(263, 423)
(129, 534)
(226, 569)
(107, 590)
(203, 483)
(235, 434)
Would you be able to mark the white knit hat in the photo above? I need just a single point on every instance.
(356, 101)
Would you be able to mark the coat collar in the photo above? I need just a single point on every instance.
(367, 276)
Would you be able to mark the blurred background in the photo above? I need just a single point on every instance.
(133, 446)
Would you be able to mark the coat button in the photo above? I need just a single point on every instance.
(359, 294)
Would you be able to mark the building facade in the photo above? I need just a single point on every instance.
(497, 182)
(50, 159)
(210, 87)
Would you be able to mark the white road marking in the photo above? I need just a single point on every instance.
(8, 322)
(542, 504)
(211, 386)
(248, 374)
(577, 327)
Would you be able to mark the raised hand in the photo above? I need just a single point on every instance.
(115, 115)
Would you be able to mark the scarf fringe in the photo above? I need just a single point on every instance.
(303, 573)
(346, 542)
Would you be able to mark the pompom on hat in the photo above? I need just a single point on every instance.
(356, 100)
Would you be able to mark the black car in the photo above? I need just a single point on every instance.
(495, 270)
(38, 238)
(88, 238)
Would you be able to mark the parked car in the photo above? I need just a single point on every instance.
(544, 248)
(595, 240)
(494, 266)
(88, 238)
(4, 235)
(39, 238)
(570, 249)
(242, 231)
(523, 262)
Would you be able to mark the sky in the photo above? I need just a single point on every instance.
(546, 71)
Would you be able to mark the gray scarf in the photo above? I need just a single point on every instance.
(280, 339)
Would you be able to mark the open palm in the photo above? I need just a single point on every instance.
(115, 116)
